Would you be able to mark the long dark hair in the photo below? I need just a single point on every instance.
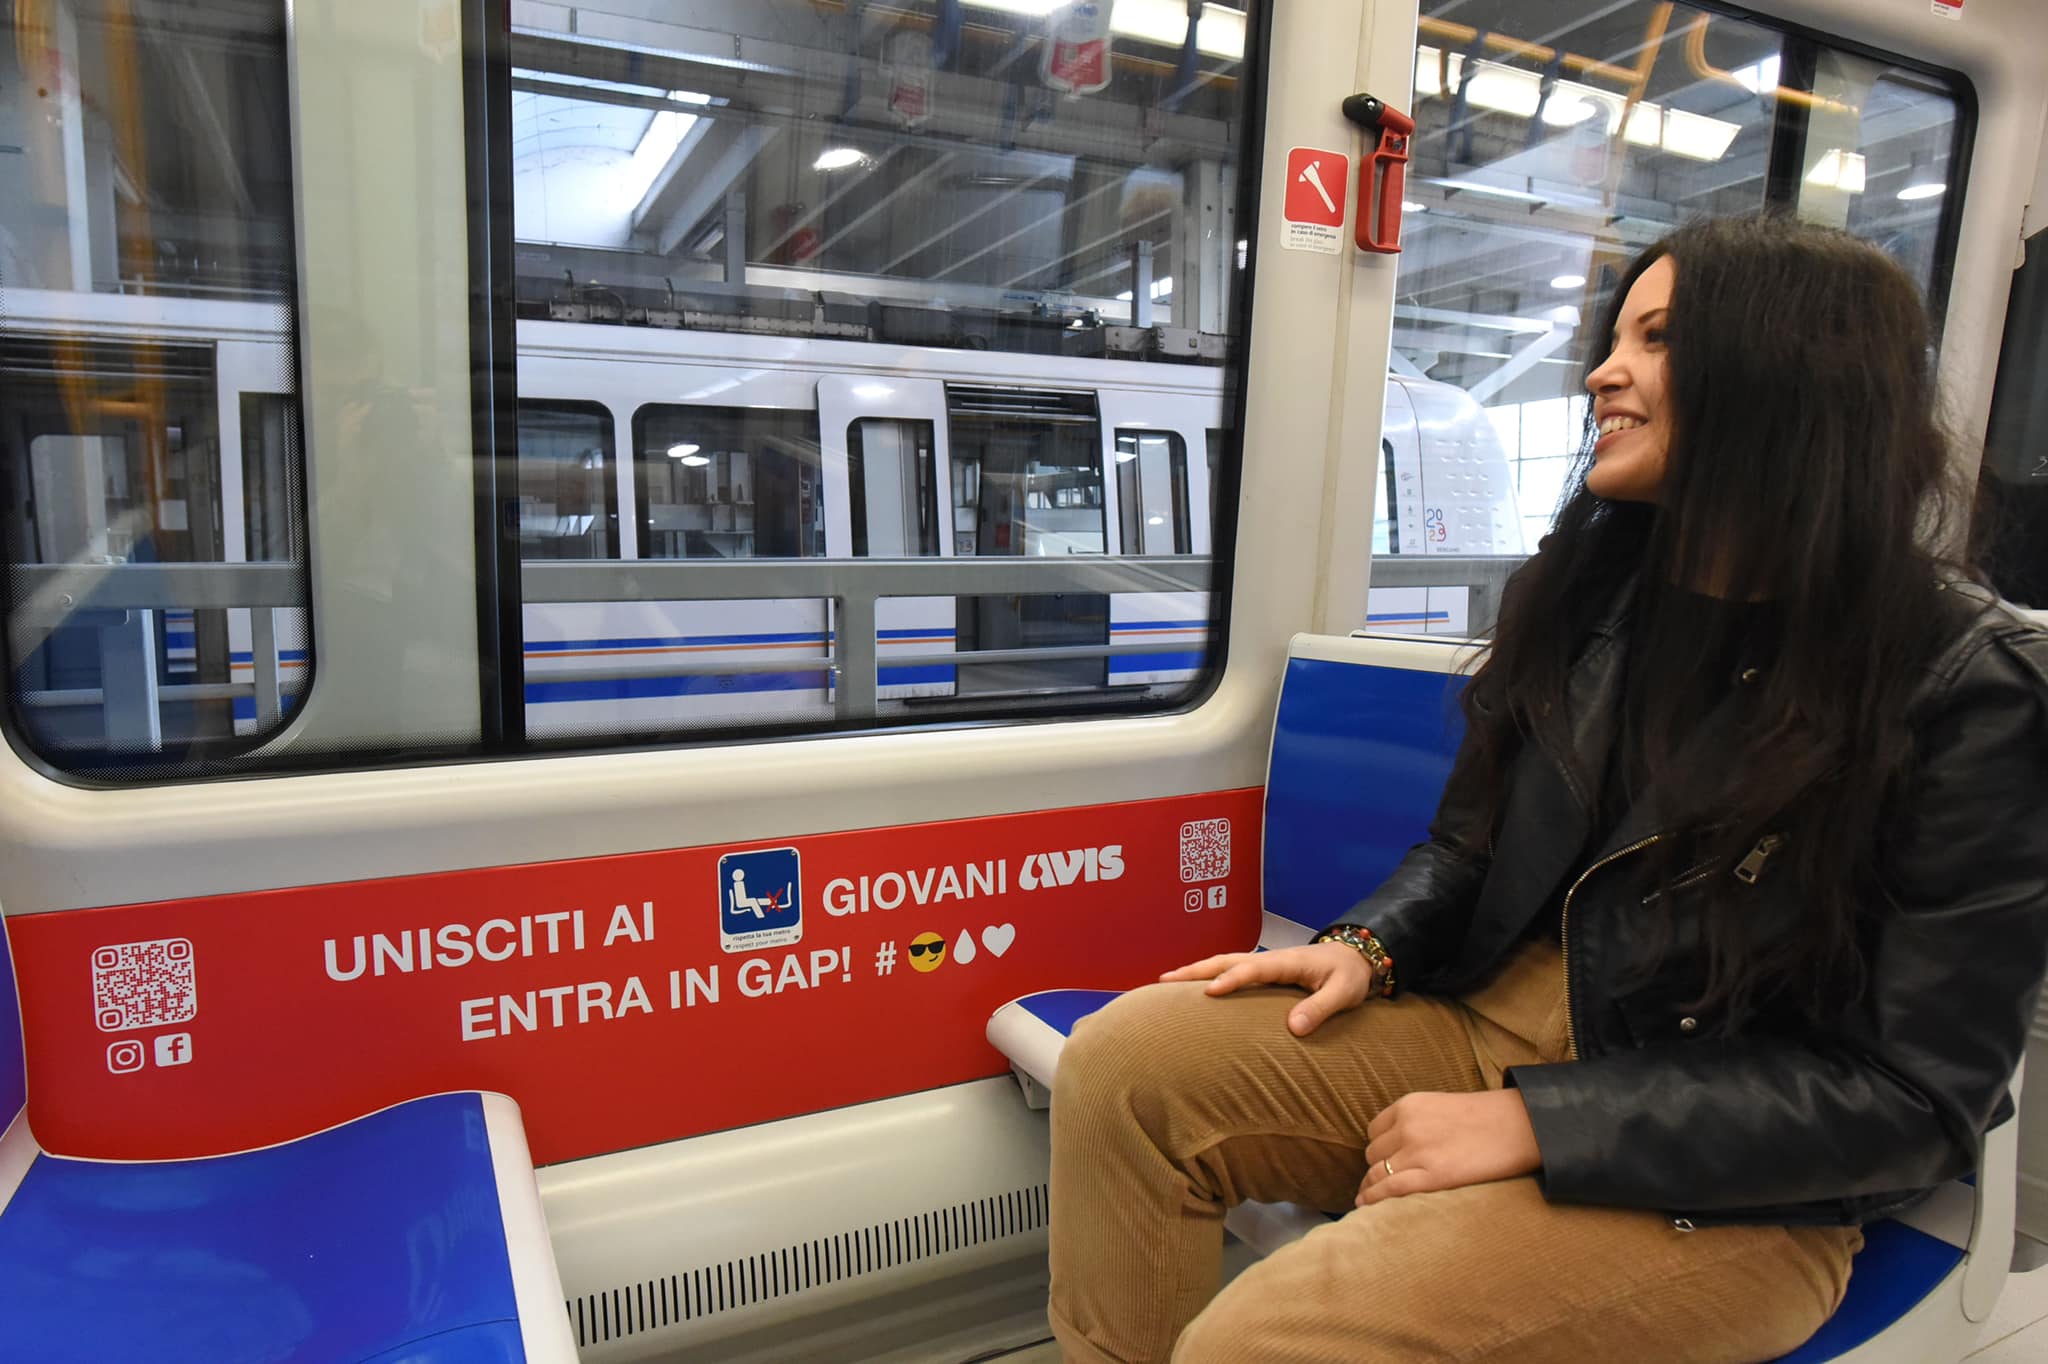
(1807, 467)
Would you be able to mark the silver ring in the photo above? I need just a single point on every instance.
(1388, 1165)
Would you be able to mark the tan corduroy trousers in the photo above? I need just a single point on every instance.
(1171, 1106)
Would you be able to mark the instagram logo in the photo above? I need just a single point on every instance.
(1192, 901)
(125, 1057)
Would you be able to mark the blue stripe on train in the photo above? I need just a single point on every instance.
(673, 641)
(907, 677)
(699, 684)
(1155, 663)
(244, 707)
(1390, 617)
(284, 656)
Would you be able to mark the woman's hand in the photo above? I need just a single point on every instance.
(1446, 1141)
(1335, 975)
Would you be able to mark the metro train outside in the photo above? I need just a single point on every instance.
(663, 560)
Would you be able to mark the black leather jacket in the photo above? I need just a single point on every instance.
(1842, 1123)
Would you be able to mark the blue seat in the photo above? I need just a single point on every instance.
(414, 1233)
(1362, 743)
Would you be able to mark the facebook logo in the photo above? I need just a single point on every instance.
(760, 899)
(174, 1049)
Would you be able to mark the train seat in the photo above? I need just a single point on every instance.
(414, 1232)
(1362, 742)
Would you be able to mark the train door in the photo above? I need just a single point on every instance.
(1028, 467)
(1158, 447)
(890, 438)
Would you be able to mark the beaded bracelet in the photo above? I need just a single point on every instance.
(1368, 946)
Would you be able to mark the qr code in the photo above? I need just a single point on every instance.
(144, 984)
(1205, 850)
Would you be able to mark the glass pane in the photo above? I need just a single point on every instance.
(867, 276)
(1152, 492)
(146, 363)
(1554, 139)
(568, 498)
(895, 499)
(728, 483)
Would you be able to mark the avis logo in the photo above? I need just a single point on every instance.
(1041, 870)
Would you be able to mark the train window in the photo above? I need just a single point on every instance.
(1555, 138)
(146, 368)
(728, 483)
(868, 276)
(273, 478)
(1152, 492)
(1035, 462)
(568, 497)
(893, 489)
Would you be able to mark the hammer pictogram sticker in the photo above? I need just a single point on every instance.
(1312, 211)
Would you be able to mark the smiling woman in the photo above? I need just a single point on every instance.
(1645, 974)
(1628, 393)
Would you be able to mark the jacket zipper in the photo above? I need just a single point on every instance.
(1752, 866)
(1564, 933)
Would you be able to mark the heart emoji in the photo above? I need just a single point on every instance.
(999, 938)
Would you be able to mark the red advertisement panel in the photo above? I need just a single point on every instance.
(621, 1000)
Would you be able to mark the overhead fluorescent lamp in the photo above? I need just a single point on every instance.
(684, 451)
(1502, 88)
(838, 158)
(1925, 189)
(1410, 206)
(1568, 282)
(1219, 34)
(1429, 69)
(1512, 90)
(1680, 133)
(1471, 186)
(1838, 169)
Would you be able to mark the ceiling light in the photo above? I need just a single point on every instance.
(1219, 34)
(839, 158)
(685, 453)
(1155, 520)
(1922, 182)
(1682, 134)
(1126, 456)
(1838, 169)
(1410, 206)
(1568, 282)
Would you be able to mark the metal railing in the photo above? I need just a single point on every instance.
(853, 587)
(119, 601)
(1482, 577)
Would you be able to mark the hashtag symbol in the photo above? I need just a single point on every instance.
(885, 959)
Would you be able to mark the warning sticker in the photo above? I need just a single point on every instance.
(1947, 9)
(1312, 212)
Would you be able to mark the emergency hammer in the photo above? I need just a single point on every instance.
(1382, 175)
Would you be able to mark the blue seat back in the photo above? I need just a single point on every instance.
(13, 1062)
(1347, 707)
